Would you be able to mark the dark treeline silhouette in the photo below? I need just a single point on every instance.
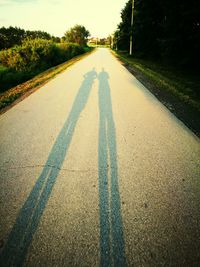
(164, 30)
(14, 36)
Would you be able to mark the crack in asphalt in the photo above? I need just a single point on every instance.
(46, 165)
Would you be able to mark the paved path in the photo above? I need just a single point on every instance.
(95, 171)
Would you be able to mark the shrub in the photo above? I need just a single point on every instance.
(33, 56)
(70, 50)
(10, 78)
(38, 54)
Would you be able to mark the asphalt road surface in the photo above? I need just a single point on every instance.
(95, 171)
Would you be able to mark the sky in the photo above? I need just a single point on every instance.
(100, 17)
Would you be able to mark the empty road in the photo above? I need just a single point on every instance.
(95, 171)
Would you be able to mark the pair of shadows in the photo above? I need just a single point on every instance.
(111, 229)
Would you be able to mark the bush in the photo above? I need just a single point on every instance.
(38, 54)
(70, 50)
(33, 56)
(30, 55)
(10, 78)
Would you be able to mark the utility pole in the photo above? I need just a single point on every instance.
(131, 37)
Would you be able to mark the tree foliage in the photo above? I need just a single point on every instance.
(164, 30)
(77, 34)
(15, 36)
(11, 36)
(124, 28)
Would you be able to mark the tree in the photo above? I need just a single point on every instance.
(180, 41)
(38, 34)
(15, 36)
(146, 27)
(162, 30)
(11, 36)
(78, 34)
(124, 28)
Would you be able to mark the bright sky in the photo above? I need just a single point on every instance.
(100, 17)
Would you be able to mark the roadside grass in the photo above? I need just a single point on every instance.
(10, 96)
(182, 85)
(177, 89)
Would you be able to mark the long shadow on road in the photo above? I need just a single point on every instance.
(111, 228)
(27, 221)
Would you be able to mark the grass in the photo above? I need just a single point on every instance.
(9, 96)
(177, 89)
(184, 86)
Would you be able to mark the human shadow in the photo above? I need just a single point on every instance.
(111, 228)
(27, 221)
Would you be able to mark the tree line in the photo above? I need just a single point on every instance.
(163, 30)
(28, 53)
(30, 50)
(15, 36)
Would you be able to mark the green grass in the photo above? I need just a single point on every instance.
(181, 84)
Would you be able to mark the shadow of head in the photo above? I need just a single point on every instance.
(103, 75)
(90, 75)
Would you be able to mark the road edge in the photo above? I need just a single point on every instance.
(184, 113)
